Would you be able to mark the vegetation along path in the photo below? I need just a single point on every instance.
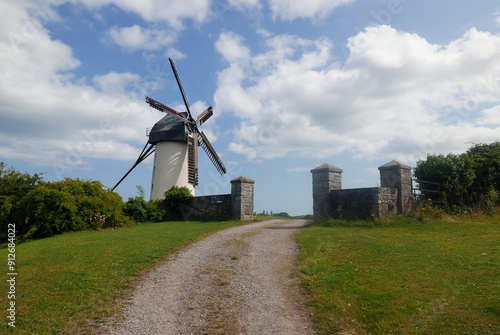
(237, 281)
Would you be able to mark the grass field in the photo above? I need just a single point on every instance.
(66, 281)
(407, 277)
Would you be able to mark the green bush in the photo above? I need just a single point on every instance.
(175, 199)
(453, 172)
(468, 180)
(157, 211)
(68, 205)
(14, 186)
(137, 208)
(168, 209)
(486, 165)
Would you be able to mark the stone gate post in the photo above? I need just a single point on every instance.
(242, 198)
(326, 178)
(398, 175)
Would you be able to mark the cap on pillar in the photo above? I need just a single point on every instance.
(326, 167)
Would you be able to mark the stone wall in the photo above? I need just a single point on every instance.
(363, 203)
(356, 203)
(393, 197)
(235, 206)
(387, 202)
(210, 207)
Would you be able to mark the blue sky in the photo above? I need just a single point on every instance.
(293, 84)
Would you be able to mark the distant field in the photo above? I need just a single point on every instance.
(408, 278)
(65, 280)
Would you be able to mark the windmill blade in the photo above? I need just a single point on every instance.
(164, 108)
(204, 116)
(212, 154)
(144, 154)
(193, 160)
(174, 69)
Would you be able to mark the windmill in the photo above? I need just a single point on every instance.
(175, 140)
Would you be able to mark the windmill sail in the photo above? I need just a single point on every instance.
(193, 160)
(204, 116)
(209, 150)
(164, 108)
(186, 103)
(171, 130)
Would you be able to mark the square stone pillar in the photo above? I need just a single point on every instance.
(398, 175)
(242, 198)
(326, 178)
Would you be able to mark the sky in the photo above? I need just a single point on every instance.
(293, 84)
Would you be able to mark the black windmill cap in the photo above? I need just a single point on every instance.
(168, 128)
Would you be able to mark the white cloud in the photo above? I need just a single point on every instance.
(231, 46)
(117, 82)
(245, 4)
(137, 38)
(49, 116)
(312, 9)
(171, 11)
(497, 17)
(491, 117)
(396, 97)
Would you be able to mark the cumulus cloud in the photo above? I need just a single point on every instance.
(48, 115)
(245, 4)
(231, 46)
(137, 38)
(171, 11)
(289, 10)
(396, 96)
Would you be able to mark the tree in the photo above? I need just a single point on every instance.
(485, 160)
(453, 172)
(471, 179)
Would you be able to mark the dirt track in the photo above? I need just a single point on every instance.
(237, 281)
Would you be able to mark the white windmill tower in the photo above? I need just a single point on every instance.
(175, 140)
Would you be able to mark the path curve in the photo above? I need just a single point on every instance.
(236, 281)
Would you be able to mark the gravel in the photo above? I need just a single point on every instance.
(237, 281)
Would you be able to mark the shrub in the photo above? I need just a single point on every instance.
(157, 211)
(453, 172)
(175, 198)
(468, 180)
(13, 187)
(141, 210)
(137, 208)
(68, 205)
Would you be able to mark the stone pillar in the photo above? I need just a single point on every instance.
(242, 194)
(326, 178)
(398, 175)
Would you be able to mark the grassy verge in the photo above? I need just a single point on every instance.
(65, 282)
(407, 277)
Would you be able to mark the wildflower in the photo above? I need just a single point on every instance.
(423, 209)
(429, 199)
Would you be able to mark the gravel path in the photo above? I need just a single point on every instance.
(237, 281)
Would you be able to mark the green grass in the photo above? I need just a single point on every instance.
(407, 277)
(67, 282)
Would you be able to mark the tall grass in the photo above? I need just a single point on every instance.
(403, 277)
(68, 282)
